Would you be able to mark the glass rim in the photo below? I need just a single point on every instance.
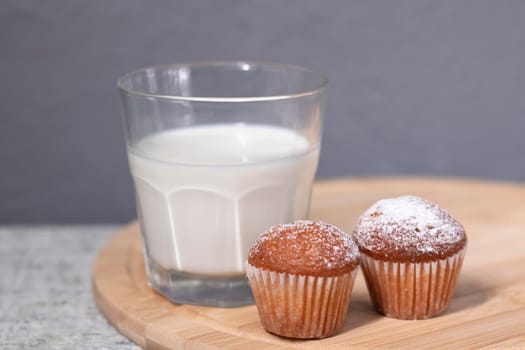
(241, 65)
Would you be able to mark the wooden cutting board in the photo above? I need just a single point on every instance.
(488, 309)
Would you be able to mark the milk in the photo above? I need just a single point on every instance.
(205, 193)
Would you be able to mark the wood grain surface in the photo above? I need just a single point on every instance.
(487, 311)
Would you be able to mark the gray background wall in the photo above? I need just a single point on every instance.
(416, 87)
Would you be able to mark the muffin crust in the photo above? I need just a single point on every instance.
(408, 229)
(305, 248)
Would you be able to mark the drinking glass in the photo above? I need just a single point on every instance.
(218, 152)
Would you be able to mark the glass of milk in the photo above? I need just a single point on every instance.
(218, 152)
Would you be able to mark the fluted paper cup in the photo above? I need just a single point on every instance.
(408, 290)
(301, 306)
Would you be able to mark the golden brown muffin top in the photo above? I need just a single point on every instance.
(408, 228)
(305, 248)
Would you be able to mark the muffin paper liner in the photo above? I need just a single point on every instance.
(301, 306)
(411, 290)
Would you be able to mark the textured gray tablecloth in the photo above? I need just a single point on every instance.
(45, 289)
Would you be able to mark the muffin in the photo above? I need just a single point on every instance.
(302, 275)
(411, 255)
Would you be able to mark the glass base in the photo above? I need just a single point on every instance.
(187, 288)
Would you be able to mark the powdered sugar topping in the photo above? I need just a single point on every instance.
(305, 247)
(408, 226)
